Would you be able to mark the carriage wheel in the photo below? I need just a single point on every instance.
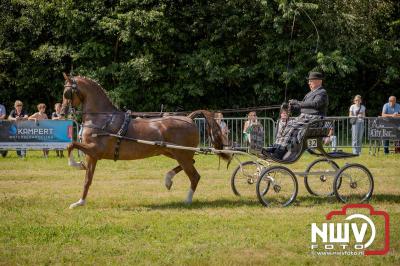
(277, 185)
(244, 178)
(319, 177)
(353, 183)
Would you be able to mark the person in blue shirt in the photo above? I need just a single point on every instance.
(2, 117)
(390, 109)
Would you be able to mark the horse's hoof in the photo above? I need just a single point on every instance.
(82, 166)
(189, 197)
(81, 202)
(168, 179)
(168, 185)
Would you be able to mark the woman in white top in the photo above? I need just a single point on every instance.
(356, 114)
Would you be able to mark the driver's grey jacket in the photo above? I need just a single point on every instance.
(315, 102)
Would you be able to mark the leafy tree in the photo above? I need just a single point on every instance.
(200, 54)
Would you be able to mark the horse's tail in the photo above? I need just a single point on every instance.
(214, 132)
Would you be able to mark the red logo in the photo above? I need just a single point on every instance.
(353, 233)
(70, 132)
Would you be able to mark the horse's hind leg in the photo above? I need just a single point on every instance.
(170, 175)
(91, 166)
(191, 172)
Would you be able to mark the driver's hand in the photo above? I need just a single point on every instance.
(294, 106)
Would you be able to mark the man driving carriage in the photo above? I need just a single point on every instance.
(313, 107)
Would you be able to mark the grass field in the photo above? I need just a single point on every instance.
(132, 219)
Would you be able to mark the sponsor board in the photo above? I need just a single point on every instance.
(43, 134)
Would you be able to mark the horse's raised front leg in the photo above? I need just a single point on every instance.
(91, 166)
(86, 148)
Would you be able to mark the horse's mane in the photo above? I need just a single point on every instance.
(99, 86)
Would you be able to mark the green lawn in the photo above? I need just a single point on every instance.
(131, 218)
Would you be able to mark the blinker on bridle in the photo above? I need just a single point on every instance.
(72, 89)
(69, 94)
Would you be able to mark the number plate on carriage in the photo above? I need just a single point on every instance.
(312, 143)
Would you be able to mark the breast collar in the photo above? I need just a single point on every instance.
(121, 132)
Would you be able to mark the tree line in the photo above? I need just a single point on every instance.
(188, 55)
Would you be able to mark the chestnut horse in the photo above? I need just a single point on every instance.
(101, 118)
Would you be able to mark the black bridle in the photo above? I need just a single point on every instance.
(72, 89)
(69, 91)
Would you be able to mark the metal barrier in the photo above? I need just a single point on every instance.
(235, 134)
(341, 125)
(342, 132)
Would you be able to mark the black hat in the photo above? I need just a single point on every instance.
(315, 75)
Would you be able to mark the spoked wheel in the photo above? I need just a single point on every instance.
(353, 183)
(319, 177)
(277, 185)
(244, 178)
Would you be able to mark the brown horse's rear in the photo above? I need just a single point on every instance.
(214, 132)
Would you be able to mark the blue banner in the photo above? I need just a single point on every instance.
(43, 134)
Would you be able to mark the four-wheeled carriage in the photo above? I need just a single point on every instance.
(277, 184)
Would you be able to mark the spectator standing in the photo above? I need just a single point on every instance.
(331, 138)
(251, 120)
(356, 114)
(2, 117)
(2, 112)
(18, 114)
(41, 115)
(282, 122)
(224, 128)
(56, 115)
(390, 109)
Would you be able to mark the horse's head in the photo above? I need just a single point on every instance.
(72, 96)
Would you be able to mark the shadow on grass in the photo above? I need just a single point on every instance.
(302, 201)
(308, 200)
(376, 198)
(219, 203)
(388, 198)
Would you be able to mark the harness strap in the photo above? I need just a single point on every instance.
(121, 133)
